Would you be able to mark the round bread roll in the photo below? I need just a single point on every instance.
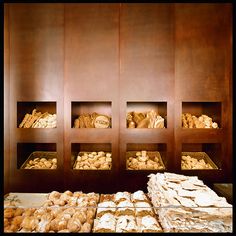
(86, 228)
(102, 122)
(74, 225)
(6, 222)
(9, 212)
(81, 216)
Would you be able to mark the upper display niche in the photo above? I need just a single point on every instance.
(201, 115)
(36, 115)
(146, 115)
(91, 115)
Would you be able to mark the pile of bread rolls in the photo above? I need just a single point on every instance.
(62, 212)
(149, 119)
(93, 120)
(41, 163)
(144, 161)
(39, 120)
(93, 161)
(203, 121)
(188, 162)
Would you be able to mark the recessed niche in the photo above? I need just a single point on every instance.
(43, 117)
(200, 156)
(91, 115)
(91, 156)
(146, 156)
(146, 115)
(36, 156)
(197, 109)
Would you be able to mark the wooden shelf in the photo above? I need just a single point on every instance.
(112, 59)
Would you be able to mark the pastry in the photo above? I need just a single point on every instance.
(121, 196)
(126, 224)
(125, 208)
(107, 223)
(148, 224)
(139, 196)
(106, 207)
(143, 209)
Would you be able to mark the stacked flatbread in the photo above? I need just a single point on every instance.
(186, 204)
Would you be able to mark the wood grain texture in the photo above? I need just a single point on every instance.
(203, 52)
(91, 75)
(6, 100)
(36, 75)
(146, 52)
(119, 55)
(200, 57)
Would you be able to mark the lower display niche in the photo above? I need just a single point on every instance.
(36, 156)
(148, 156)
(91, 156)
(201, 156)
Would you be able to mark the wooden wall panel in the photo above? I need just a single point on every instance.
(200, 57)
(146, 75)
(146, 52)
(203, 73)
(91, 75)
(36, 30)
(37, 73)
(92, 51)
(6, 99)
(115, 53)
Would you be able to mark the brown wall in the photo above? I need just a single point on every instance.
(6, 98)
(113, 54)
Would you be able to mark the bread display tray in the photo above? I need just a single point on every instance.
(199, 156)
(39, 154)
(151, 154)
(81, 154)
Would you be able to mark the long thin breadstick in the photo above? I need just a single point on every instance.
(24, 120)
(28, 120)
(39, 115)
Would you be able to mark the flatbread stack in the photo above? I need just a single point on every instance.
(186, 204)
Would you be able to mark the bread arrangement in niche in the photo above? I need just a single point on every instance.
(188, 162)
(39, 120)
(150, 119)
(203, 121)
(41, 160)
(144, 160)
(93, 120)
(186, 204)
(93, 161)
